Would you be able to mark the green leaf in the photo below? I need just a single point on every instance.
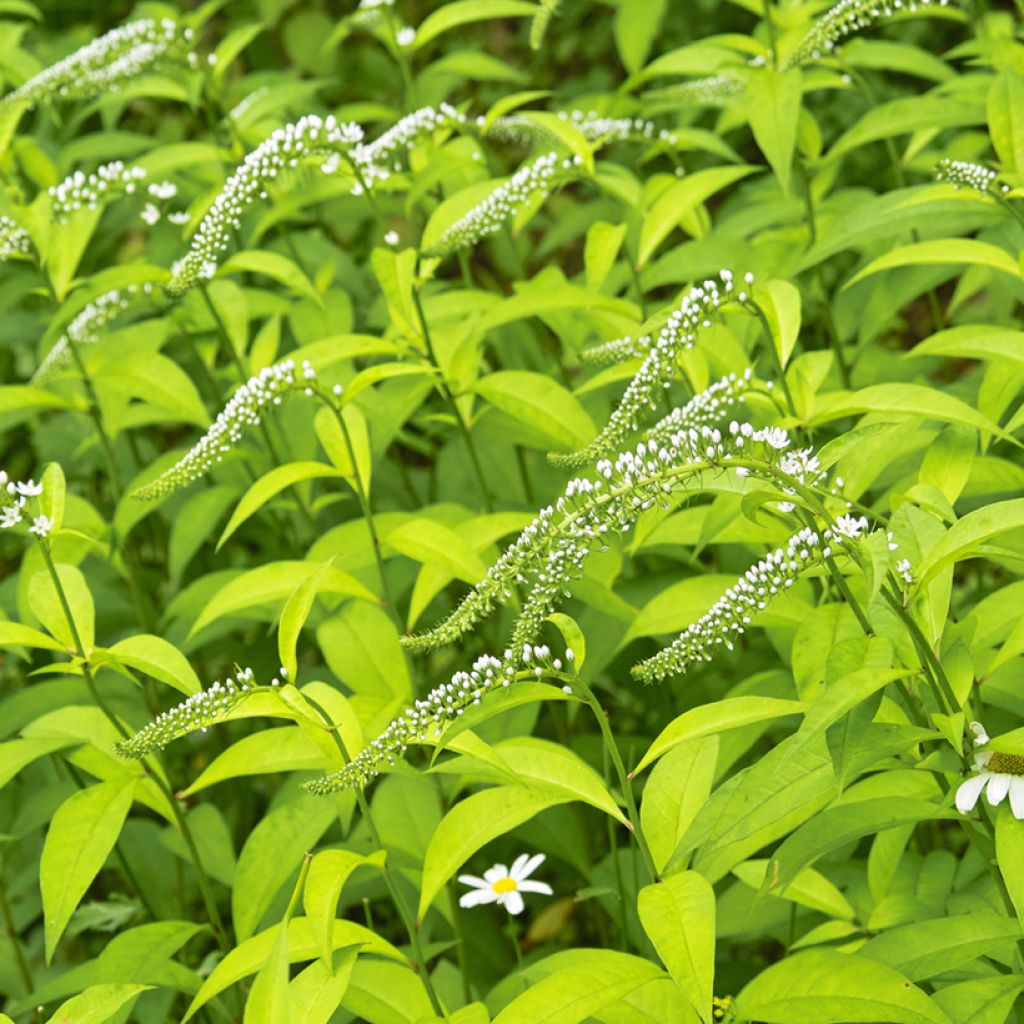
(14, 634)
(678, 916)
(52, 500)
(474, 822)
(317, 992)
(541, 403)
(566, 132)
(982, 1001)
(940, 252)
(963, 538)
(1010, 856)
(780, 303)
(433, 543)
(81, 835)
(465, 12)
(293, 617)
(679, 199)
(273, 265)
(925, 948)
(271, 854)
(708, 719)
(159, 659)
(678, 605)
(248, 956)
(773, 109)
(810, 889)
(270, 484)
(96, 1004)
(328, 873)
(827, 987)
(603, 243)
(975, 341)
(46, 605)
(1006, 119)
(635, 29)
(17, 754)
(268, 1001)
(573, 636)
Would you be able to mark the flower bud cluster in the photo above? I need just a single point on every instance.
(198, 712)
(376, 160)
(546, 10)
(596, 129)
(679, 333)
(445, 703)
(534, 179)
(80, 190)
(245, 409)
(618, 350)
(108, 61)
(732, 613)
(283, 149)
(964, 174)
(847, 17)
(86, 326)
(14, 240)
(710, 91)
(906, 571)
(706, 407)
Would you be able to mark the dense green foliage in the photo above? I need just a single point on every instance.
(310, 318)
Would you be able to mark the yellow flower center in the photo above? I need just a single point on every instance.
(504, 885)
(1011, 764)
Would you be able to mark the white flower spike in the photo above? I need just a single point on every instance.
(505, 885)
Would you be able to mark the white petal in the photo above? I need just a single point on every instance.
(475, 897)
(968, 793)
(513, 902)
(1017, 797)
(477, 883)
(998, 787)
(493, 874)
(530, 866)
(518, 864)
(542, 887)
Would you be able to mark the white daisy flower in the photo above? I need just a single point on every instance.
(997, 774)
(505, 885)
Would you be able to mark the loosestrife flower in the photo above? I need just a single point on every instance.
(536, 178)
(42, 525)
(505, 886)
(732, 613)
(963, 174)
(706, 407)
(283, 149)
(618, 350)
(109, 61)
(905, 571)
(996, 773)
(14, 496)
(850, 16)
(14, 240)
(197, 713)
(85, 328)
(81, 191)
(709, 91)
(594, 128)
(546, 10)
(680, 332)
(245, 409)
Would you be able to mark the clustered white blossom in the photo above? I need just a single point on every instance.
(108, 61)
(906, 571)
(14, 495)
(284, 148)
(441, 705)
(618, 350)
(85, 328)
(245, 409)
(84, 191)
(198, 712)
(850, 16)
(14, 240)
(710, 91)
(378, 159)
(369, 11)
(594, 128)
(732, 613)
(538, 177)
(680, 332)
(706, 407)
(964, 174)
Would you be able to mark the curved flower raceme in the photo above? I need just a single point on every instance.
(283, 149)
(847, 17)
(84, 191)
(86, 326)
(733, 612)
(592, 126)
(679, 333)
(996, 774)
(505, 885)
(709, 91)
(109, 61)
(618, 350)
(14, 240)
(245, 409)
(964, 174)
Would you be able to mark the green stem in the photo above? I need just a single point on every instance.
(157, 775)
(770, 25)
(411, 928)
(625, 785)
(450, 398)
